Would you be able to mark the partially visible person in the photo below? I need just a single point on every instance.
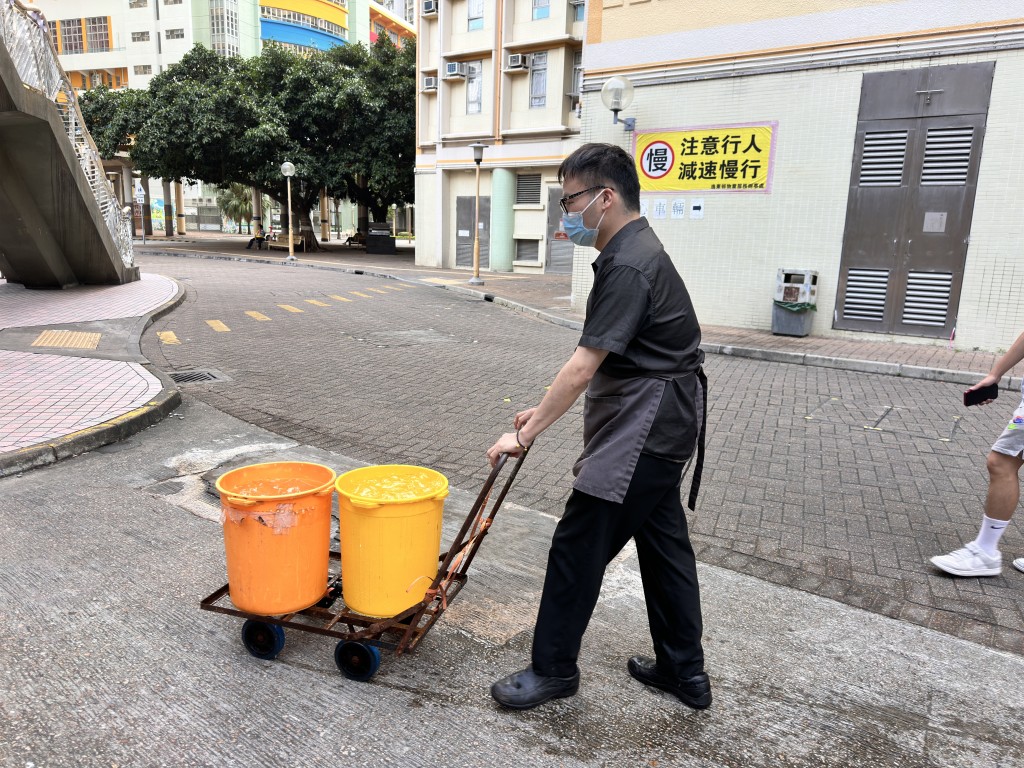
(258, 237)
(982, 557)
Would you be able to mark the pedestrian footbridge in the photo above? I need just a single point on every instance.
(64, 225)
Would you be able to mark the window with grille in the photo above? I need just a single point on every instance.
(71, 36)
(97, 33)
(476, 14)
(527, 250)
(541, 9)
(302, 20)
(224, 27)
(140, 37)
(474, 87)
(143, 69)
(882, 161)
(528, 189)
(172, 2)
(577, 74)
(174, 34)
(947, 156)
(538, 80)
(138, 3)
(579, 11)
(52, 26)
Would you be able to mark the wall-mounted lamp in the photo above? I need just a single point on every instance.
(617, 94)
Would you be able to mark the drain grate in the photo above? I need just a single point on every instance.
(197, 375)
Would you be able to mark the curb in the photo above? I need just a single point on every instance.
(113, 430)
(965, 378)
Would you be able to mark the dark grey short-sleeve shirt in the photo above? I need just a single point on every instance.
(640, 312)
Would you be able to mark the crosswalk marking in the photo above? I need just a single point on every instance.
(218, 326)
(376, 290)
(339, 298)
(167, 337)
(317, 303)
(290, 308)
(363, 295)
(257, 315)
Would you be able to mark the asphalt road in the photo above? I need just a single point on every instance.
(837, 483)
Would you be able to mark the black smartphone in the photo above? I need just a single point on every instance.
(975, 396)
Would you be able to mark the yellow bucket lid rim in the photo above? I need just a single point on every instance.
(276, 496)
(441, 488)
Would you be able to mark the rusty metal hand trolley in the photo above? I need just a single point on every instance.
(361, 638)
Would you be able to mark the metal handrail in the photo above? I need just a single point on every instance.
(25, 34)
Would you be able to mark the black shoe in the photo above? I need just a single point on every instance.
(526, 689)
(692, 691)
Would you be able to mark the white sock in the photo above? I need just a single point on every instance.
(988, 536)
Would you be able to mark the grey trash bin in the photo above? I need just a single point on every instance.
(796, 299)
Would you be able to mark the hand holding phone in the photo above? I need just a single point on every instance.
(978, 396)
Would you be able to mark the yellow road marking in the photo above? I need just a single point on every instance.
(339, 298)
(289, 307)
(257, 315)
(67, 339)
(376, 290)
(218, 326)
(317, 303)
(394, 287)
(167, 337)
(357, 293)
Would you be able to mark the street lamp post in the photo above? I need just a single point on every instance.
(288, 170)
(478, 156)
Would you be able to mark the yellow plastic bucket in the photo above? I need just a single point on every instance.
(277, 534)
(390, 520)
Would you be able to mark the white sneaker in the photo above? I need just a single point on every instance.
(972, 560)
(1019, 563)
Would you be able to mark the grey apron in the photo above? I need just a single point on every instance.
(617, 418)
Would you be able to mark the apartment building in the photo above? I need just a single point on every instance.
(305, 25)
(123, 43)
(872, 141)
(505, 74)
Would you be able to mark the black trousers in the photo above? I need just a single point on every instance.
(589, 535)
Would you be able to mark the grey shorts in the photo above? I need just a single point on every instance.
(1011, 442)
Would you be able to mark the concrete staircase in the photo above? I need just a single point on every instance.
(64, 225)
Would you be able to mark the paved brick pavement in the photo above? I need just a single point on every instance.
(835, 482)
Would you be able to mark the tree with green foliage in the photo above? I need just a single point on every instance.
(235, 202)
(344, 117)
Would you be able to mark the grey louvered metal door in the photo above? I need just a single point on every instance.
(911, 199)
(559, 261)
(465, 214)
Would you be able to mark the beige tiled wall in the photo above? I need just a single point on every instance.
(730, 258)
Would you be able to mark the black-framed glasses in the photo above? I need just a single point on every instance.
(564, 202)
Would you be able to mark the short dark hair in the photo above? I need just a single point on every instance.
(607, 165)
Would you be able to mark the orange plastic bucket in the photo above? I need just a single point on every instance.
(390, 520)
(277, 534)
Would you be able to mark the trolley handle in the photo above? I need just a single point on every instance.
(458, 546)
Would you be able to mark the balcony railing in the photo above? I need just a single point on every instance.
(25, 35)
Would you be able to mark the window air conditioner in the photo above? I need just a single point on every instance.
(429, 83)
(518, 61)
(455, 69)
(429, 7)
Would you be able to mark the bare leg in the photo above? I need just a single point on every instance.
(1004, 486)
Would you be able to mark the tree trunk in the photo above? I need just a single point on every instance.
(309, 241)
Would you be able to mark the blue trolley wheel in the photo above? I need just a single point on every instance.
(262, 640)
(357, 661)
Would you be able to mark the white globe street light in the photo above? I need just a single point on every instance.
(288, 170)
(616, 95)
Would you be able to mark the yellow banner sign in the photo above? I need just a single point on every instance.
(728, 159)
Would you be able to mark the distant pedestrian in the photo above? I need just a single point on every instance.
(982, 557)
(639, 360)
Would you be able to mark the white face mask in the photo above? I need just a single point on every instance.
(574, 228)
